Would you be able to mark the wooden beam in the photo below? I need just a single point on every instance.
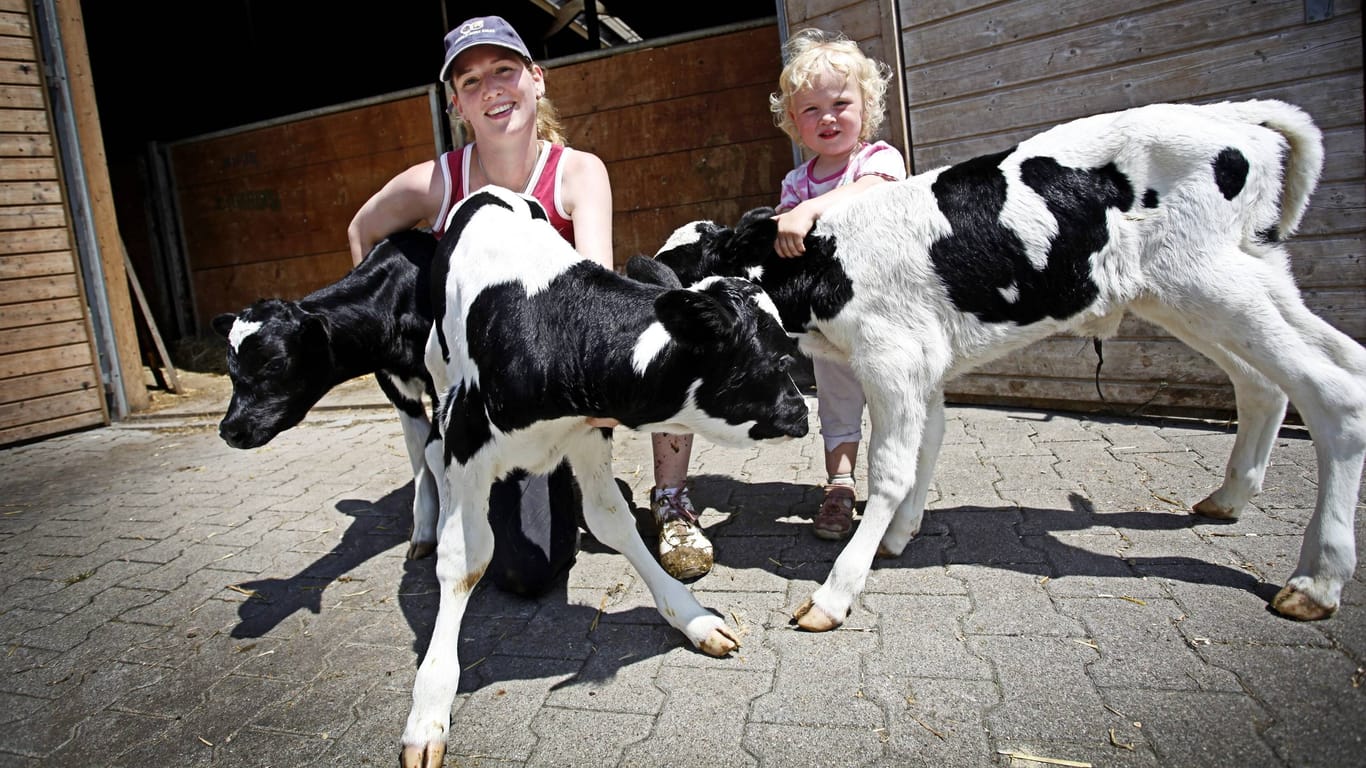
(121, 317)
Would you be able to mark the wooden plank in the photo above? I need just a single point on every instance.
(322, 141)
(698, 175)
(40, 360)
(23, 121)
(1142, 360)
(39, 312)
(707, 65)
(922, 12)
(47, 383)
(689, 121)
(14, 22)
(1080, 395)
(21, 97)
(1074, 35)
(229, 289)
(35, 264)
(1326, 263)
(858, 22)
(37, 289)
(18, 48)
(1334, 102)
(28, 169)
(48, 409)
(25, 145)
(33, 240)
(644, 231)
(1187, 77)
(42, 336)
(32, 217)
(20, 73)
(71, 423)
(30, 192)
(286, 213)
(1336, 209)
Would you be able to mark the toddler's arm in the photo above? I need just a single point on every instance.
(794, 224)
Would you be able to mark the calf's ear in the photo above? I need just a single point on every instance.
(753, 238)
(694, 319)
(647, 270)
(223, 323)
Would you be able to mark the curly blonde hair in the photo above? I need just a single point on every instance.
(548, 125)
(811, 53)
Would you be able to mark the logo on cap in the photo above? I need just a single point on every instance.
(470, 27)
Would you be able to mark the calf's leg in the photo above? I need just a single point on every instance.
(426, 503)
(1254, 309)
(1261, 409)
(898, 419)
(464, 548)
(911, 512)
(606, 514)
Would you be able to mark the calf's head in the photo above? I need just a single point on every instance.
(280, 364)
(743, 390)
(704, 248)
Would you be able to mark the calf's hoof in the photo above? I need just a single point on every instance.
(1294, 604)
(721, 642)
(429, 756)
(1208, 507)
(420, 549)
(812, 619)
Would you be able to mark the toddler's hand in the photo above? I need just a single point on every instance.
(792, 228)
(598, 423)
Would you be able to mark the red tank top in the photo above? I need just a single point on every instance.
(544, 185)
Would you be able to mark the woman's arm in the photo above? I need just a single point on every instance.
(588, 201)
(406, 200)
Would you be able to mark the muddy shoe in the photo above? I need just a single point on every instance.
(684, 551)
(835, 519)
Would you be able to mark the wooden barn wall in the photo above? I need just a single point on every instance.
(684, 130)
(49, 377)
(981, 76)
(264, 210)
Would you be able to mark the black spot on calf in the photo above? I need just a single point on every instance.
(1230, 172)
(1150, 198)
(983, 263)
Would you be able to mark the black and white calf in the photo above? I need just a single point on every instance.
(283, 356)
(1173, 212)
(530, 340)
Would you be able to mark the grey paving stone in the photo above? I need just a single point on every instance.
(933, 722)
(1294, 684)
(923, 636)
(815, 745)
(577, 737)
(1216, 729)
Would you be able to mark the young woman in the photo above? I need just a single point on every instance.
(499, 97)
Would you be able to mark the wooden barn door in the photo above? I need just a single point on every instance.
(49, 374)
(263, 209)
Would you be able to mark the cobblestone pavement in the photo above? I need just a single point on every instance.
(167, 600)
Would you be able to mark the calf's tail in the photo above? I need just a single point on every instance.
(1304, 161)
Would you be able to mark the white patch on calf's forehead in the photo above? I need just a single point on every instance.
(1011, 293)
(241, 329)
(684, 235)
(648, 347)
(765, 303)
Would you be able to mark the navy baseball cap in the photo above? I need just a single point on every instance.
(481, 30)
